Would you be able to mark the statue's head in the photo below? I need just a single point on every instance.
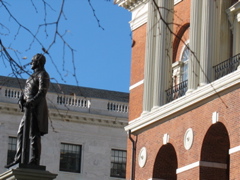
(38, 60)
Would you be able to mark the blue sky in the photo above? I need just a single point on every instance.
(101, 57)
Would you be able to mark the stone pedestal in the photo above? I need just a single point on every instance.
(28, 172)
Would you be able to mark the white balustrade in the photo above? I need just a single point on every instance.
(117, 107)
(12, 93)
(73, 101)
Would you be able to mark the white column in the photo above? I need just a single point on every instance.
(169, 49)
(149, 60)
(234, 19)
(216, 21)
(225, 33)
(236, 34)
(163, 56)
(195, 38)
(208, 41)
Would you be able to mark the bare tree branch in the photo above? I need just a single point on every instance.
(94, 14)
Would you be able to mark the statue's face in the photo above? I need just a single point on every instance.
(34, 63)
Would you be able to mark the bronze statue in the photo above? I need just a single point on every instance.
(35, 119)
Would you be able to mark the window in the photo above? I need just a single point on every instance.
(12, 148)
(179, 76)
(118, 163)
(70, 158)
(185, 60)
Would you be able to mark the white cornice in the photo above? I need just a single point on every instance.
(132, 4)
(139, 10)
(88, 118)
(202, 93)
(139, 16)
(129, 4)
(71, 116)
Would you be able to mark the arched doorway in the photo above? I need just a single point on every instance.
(165, 163)
(215, 153)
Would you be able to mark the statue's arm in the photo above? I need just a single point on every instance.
(21, 102)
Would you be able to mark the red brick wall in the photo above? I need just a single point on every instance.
(199, 118)
(137, 75)
(137, 72)
(180, 28)
(129, 159)
(192, 174)
(138, 54)
(234, 165)
(135, 104)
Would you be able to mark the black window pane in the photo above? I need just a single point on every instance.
(12, 147)
(118, 163)
(70, 158)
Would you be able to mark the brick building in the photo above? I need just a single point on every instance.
(184, 95)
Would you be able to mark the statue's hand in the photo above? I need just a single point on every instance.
(21, 104)
(29, 103)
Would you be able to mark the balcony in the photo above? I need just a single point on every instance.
(177, 91)
(226, 67)
(222, 69)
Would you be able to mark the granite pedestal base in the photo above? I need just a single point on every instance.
(27, 172)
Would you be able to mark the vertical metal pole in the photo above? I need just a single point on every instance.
(25, 145)
(133, 155)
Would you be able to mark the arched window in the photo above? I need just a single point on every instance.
(184, 64)
(180, 75)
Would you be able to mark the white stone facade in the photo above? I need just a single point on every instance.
(96, 125)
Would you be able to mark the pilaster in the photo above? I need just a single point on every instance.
(163, 56)
(195, 38)
(208, 41)
(149, 59)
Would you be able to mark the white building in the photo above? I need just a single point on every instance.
(86, 138)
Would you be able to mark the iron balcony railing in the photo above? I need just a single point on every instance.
(177, 91)
(226, 67)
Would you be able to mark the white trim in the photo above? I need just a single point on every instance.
(190, 166)
(202, 164)
(165, 139)
(215, 117)
(139, 16)
(234, 150)
(177, 1)
(136, 85)
(196, 96)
